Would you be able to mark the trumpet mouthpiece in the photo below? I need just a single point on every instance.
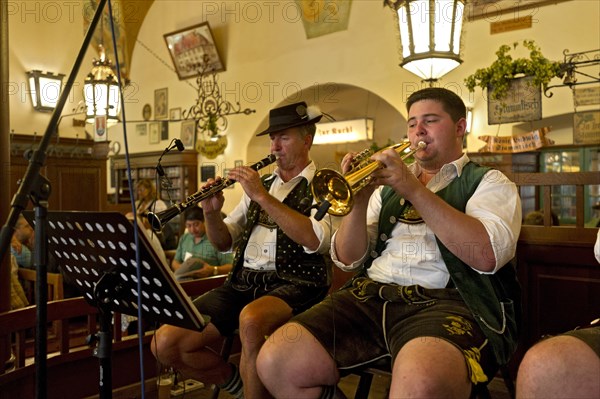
(421, 145)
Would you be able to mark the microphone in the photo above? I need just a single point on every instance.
(179, 145)
(305, 206)
(322, 208)
(175, 143)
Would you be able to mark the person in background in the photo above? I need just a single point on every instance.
(196, 257)
(18, 298)
(280, 265)
(437, 292)
(565, 365)
(537, 218)
(21, 244)
(147, 201)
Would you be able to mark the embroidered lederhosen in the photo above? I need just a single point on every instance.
(292, 263)
(494, 299)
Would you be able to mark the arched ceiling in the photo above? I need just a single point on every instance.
(342, 102)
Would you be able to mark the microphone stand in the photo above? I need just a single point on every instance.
(36, 187)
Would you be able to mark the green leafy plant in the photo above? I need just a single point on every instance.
(502, 71)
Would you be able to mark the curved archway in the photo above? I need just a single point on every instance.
(342, 102)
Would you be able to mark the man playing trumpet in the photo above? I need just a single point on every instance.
(279, 267)
(437, 297)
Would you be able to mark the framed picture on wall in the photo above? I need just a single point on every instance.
(175, 114)
(207, 172)
(161, 103)
(190, 48)
(164, 130)
(188, 133)
(154, 134)
(141, 129)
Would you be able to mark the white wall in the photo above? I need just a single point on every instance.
(268, 59)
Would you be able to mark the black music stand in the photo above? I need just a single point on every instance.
(97, 251)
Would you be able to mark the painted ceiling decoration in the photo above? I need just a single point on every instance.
(321, 17)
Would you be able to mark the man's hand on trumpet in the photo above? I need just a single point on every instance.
(395, 173)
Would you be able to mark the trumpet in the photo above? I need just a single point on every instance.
(336, 191)
(159, 219)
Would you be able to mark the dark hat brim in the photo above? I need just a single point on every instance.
(280, 127)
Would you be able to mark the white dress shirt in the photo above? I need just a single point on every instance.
(412, 255)
(262, 246)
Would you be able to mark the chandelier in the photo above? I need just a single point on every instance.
(430, 33)
(101, 91)
(211, 110)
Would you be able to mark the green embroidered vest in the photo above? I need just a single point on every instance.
(292, 263)
(494, 299)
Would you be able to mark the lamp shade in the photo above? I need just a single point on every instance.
(101, 92)
(44, 89)
(430, 32)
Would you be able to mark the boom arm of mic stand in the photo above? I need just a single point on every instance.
(32, 180)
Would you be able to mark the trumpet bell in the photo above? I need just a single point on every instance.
(331, 186)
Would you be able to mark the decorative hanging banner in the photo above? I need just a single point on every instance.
(212, 148)
(586, 127)
(517, 143)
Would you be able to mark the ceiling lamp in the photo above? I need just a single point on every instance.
(44, 89)
(101, 91)
(430, 33)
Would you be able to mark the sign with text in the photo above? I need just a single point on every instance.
(517, 143)
(586, 127)
(344, 131)
(586, 96)
(522, 103)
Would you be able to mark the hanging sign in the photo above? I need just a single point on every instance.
(348, 131)
(522, 103)
(586, 96)
(517, 143)
(586, 127)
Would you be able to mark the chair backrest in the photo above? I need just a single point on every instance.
(54, 281)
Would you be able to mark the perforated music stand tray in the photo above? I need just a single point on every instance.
(97, 251)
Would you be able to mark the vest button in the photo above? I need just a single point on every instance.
(383, 237)
(374, 254)
(393, 219)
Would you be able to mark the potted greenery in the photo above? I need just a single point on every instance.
(499, 75)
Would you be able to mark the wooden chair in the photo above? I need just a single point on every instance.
(55, 290)
(55, 284)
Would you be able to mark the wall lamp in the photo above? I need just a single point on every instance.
(44, 88)
(430, 33)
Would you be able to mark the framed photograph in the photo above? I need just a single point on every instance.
(175, 114)
(141, 129)
(191, 47)
(207, 172)
(188, 133)
(164, 130)
(154, 135)
(161, 103)
(147, 112)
